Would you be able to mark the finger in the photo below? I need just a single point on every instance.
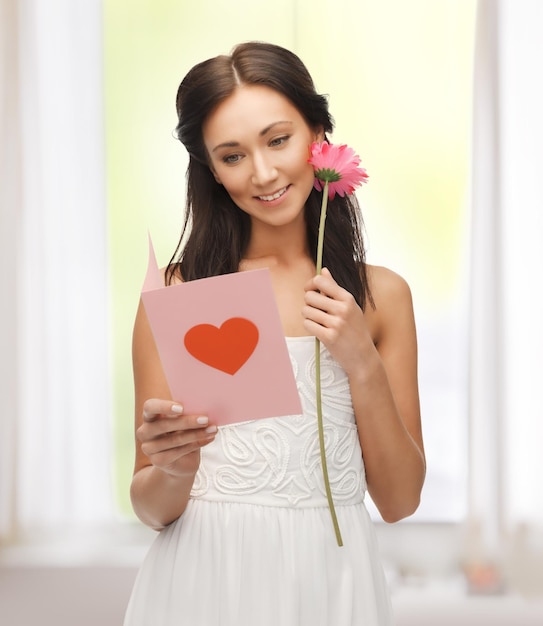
(320, 317)
(318, 300)
(169, 458)
(316, 330)
(160, 427)
(184, 441)
(154, 408)
(326, 284)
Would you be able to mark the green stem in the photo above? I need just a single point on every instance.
(322, 221)
(320, 424)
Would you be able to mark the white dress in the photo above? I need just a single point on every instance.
(256, 545)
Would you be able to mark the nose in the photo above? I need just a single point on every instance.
(264, 170)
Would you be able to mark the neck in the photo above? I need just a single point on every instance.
(285, 245)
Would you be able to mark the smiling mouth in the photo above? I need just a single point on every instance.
(274, 196)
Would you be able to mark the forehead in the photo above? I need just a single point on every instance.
(250, 109)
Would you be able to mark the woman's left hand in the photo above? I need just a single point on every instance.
(334, 317)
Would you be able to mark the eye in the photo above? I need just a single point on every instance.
(231, 159)
(279, 141)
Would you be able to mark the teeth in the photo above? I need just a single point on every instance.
(274, 197)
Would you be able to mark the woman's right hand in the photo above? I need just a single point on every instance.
(172, 440)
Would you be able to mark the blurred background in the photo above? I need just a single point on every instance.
(442, 99)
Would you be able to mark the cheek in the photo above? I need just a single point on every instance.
(230, 180)
(308, 174)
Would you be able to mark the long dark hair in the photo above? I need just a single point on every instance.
(216, 232)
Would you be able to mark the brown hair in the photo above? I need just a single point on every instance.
(216, 232)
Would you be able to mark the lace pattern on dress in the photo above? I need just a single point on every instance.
(278, 459)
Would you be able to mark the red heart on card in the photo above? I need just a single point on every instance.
(226, 348)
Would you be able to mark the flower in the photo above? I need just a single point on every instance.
(336, 171)
(336, 165)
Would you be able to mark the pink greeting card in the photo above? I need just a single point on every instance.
(221, 345)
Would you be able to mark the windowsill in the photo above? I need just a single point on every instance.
(122, 544)
(447, 602)
(422, 563)
(125, 542)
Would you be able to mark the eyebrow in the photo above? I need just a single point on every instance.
(262, 133)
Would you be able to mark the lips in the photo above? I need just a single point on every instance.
(273, 196)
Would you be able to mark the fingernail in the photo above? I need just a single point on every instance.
(211, 429)
(177, 408)
(202, 420)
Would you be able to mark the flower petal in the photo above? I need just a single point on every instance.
(339, 166)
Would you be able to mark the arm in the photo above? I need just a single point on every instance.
(378, 351)
(167, 441)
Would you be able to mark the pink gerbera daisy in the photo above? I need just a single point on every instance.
(336, 165)
(336, 171)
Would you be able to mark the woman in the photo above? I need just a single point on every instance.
(258, 547)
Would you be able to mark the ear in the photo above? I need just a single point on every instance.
(319, 134)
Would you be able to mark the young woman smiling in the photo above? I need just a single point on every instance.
(244, 528)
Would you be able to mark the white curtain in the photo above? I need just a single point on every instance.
(506, 377)
(55, 431)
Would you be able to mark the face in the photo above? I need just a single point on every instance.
(258, 146)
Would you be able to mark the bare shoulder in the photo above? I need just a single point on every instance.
(387, 287)
(392, 299)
